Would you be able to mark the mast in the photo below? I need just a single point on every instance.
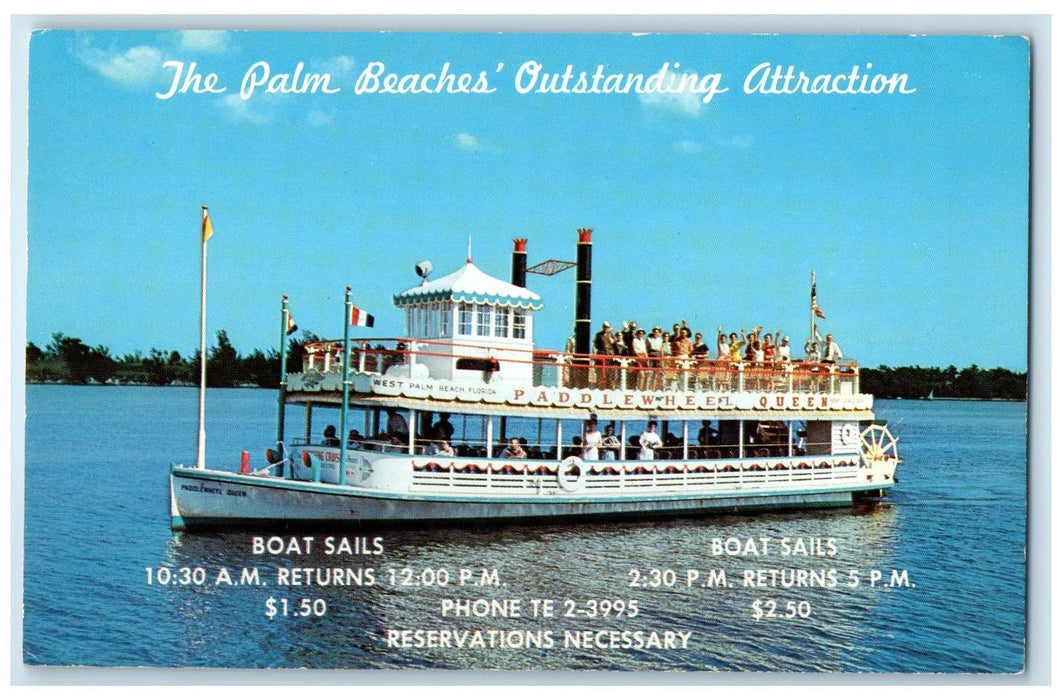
(346, 391)
(811, 308)
(284, 324)
(200, 453)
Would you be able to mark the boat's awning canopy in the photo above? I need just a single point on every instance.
(470, 285)
(334, 400)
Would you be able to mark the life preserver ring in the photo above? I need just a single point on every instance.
(571, 474)
(849, 434)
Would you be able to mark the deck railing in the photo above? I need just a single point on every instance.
(615, 372)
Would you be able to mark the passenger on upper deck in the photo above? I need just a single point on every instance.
(700, 348)
(569, 350)
(757, 351)
(769, 349)
(604, 345)
(330, 439)
(682, 346)
(665, 362)
(785, 353)
(619, 347)
(700, 352)
(811, 349)
(640, 351)
(630, 331)
(735, 346)
(655, 344)
(833, 351)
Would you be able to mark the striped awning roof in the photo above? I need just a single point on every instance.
(471, 285)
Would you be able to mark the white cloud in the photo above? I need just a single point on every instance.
(140, 65)
(240, 110)
(203, 40)
(686, 103)
(339, 65)
(688, 147)
(467, 142)
(318, 118)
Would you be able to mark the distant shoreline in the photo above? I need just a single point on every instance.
(70, 361)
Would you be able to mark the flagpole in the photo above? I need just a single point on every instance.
(811, 307)
(283, 367)
(200, 459)
(346, 391)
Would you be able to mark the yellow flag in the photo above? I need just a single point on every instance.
(208, 229)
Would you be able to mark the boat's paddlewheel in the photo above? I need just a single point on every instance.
(877, 444)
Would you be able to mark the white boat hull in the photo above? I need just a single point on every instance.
(203, 497)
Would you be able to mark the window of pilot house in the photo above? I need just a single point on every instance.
(425, 320)
(411, 320)
(464, 319)
(444, 319)
(519, 324)
(483, 324)
(501, 323)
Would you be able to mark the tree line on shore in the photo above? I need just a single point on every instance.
(68, 360)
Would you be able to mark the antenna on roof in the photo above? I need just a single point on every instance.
(469, 248)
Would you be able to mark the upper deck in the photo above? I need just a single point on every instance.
(469, 347)
(480, 378)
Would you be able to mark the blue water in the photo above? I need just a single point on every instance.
(96, 519)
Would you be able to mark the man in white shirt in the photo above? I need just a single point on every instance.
(649, 441)
(784, 353)
(833, 351)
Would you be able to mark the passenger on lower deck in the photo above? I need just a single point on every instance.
(330, 439)
(576, 450)
(610, 444)
(591, 440)
(707, 435)
(396, 425)
(649, 442)
(443, 429)
(514, 450)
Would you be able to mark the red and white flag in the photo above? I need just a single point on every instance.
(359, 317)
(292, 326)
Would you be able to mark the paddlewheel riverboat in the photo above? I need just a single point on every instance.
(463, 420)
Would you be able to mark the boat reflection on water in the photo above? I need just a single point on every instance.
(732, 593)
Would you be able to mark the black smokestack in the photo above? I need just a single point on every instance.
(582, 291)
(520, 262)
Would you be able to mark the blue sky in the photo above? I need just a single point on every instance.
(912, 209)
